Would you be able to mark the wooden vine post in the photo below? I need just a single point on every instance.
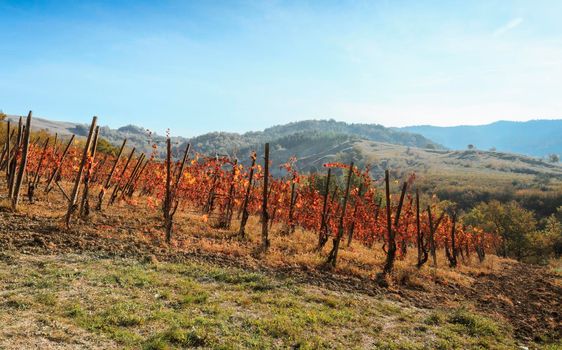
(264, 213)
(57, 170)
(433, 226)
(170, 203)
(23, 162)
(354, 216)
(107, 183)
(452, 252)
(245, 213)
(118, 184)
(332, 257)
(13, 160)
(226, 217)
(419, 236)
(292, 203)
(136, 169)
(32, 185)
(136, 180)
(8, 139)
(74, 196)
(323, 234)
(85, 202)
(391, 252)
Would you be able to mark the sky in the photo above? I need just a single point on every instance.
(199, 66)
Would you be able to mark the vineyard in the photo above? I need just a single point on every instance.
(352, 207)
(340, 228)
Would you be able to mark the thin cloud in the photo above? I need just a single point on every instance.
(514, 23)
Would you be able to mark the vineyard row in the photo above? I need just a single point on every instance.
(357, 208)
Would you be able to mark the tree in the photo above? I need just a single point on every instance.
(512, 223)
(547, 243)
(106, 147)
(553, 158)
(470, 146)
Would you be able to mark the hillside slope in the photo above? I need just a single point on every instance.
(465, 177)
(536, 137)
(227, 143)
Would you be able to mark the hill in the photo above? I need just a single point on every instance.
(537, 138)
(136, 136)
(228, 143)
(465, 177)
(222, 142)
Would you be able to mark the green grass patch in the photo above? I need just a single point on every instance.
(174, 306)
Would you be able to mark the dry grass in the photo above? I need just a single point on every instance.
(195, 232)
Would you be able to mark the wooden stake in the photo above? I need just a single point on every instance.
(74, 195)
(56, 172)
(332, 257)
(23, 162)
(244, 207)
(264, 213)
(107, 184)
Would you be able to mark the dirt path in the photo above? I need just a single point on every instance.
(528, 297)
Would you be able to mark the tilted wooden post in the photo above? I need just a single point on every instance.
(85, 202)
(354, 216)
(133, 174)
(171, 203)
(74, 195)
(8, 139)
(323, 234)
(118, 184)
(332, 257)
(245, 214)
(6, 152)
(32, 185)
(56, 172)
(107, 184)
(23, 162)
(226, 217)
(14, 160)
(95, 175)
(264, 213)
(135, 181)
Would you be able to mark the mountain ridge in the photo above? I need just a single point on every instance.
(537, 137)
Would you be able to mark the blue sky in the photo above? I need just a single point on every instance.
(201, 66)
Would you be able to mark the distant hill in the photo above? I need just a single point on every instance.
(535, 138)
(229, 143)
(137, 137)
(226, 143)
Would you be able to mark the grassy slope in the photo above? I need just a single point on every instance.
(243, 299)
(79, 301)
